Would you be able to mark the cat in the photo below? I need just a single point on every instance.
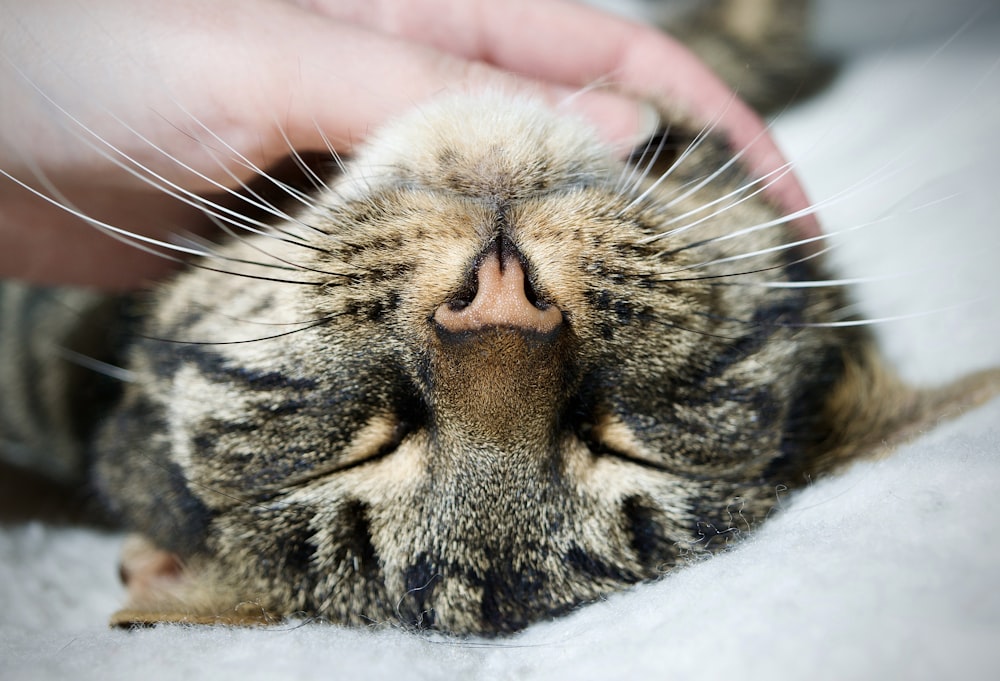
(489, 373)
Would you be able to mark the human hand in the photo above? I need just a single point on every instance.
(202, 94)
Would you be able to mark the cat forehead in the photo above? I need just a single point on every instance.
(486, 144)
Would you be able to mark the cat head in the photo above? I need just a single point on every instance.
(489, 372)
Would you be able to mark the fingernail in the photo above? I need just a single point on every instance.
(650, 123)
(622, 121)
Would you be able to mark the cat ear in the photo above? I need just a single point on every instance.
(870, 410)
(163, 590)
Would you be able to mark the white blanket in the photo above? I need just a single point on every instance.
(888, 571)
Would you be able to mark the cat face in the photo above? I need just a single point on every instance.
(489, 373)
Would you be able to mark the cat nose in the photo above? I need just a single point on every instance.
(503, 297)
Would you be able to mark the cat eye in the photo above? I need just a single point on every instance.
(377, 438)
(610, 437)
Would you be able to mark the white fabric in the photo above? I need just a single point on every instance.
(888, 571)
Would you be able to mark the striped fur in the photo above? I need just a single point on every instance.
(314, 425)
(51, 396)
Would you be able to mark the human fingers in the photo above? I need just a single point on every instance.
(346, 88)
(203, 94)
(115, 110)
(568, 43)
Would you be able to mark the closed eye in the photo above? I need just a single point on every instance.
(378, 438)
(601, 448)
(610, 437)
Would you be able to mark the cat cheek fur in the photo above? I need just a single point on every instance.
(391, 459)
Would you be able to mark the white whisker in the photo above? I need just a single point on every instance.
(892, 318)
(138, 170)
(632, 168)
(116, 372)
(829, 283)
(689, 190)
(882, 174)
(134, 239)
(131, 165)
(702, 135)
(780, 172)
(317, 182)
(330, 148)
(824, 237)
(288, 264)
(245, 162)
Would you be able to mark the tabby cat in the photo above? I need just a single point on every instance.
(489, 373)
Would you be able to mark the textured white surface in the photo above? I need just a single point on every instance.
(888, 571)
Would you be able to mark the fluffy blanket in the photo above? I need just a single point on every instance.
(890, 570)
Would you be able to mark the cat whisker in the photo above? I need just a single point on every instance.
(254, 200)
(683, 156)
(286, 264)
(711, 277)
(689, 190)
(157, 181)
(210, 209)
(129, 164)
(823, 283)
(673, 325)
(799, 243)
(779, 173)
(884, 173)
(246, 193)
(738, 192)
(702, 135)
(627, 178)
(827, 236)
(760, 252)
(256, 277)
(213, 211)
(87, 362)
(342, 169)
(134, 239)
(302, 197)
(337, 159)
(259, 322)
(879, 175)
(318, 183)
(308, 326)
(212, 253)
(849, 323)
(773, 284)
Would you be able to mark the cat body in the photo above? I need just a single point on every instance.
(487, 376)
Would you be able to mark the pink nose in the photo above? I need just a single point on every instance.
(501, 300)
